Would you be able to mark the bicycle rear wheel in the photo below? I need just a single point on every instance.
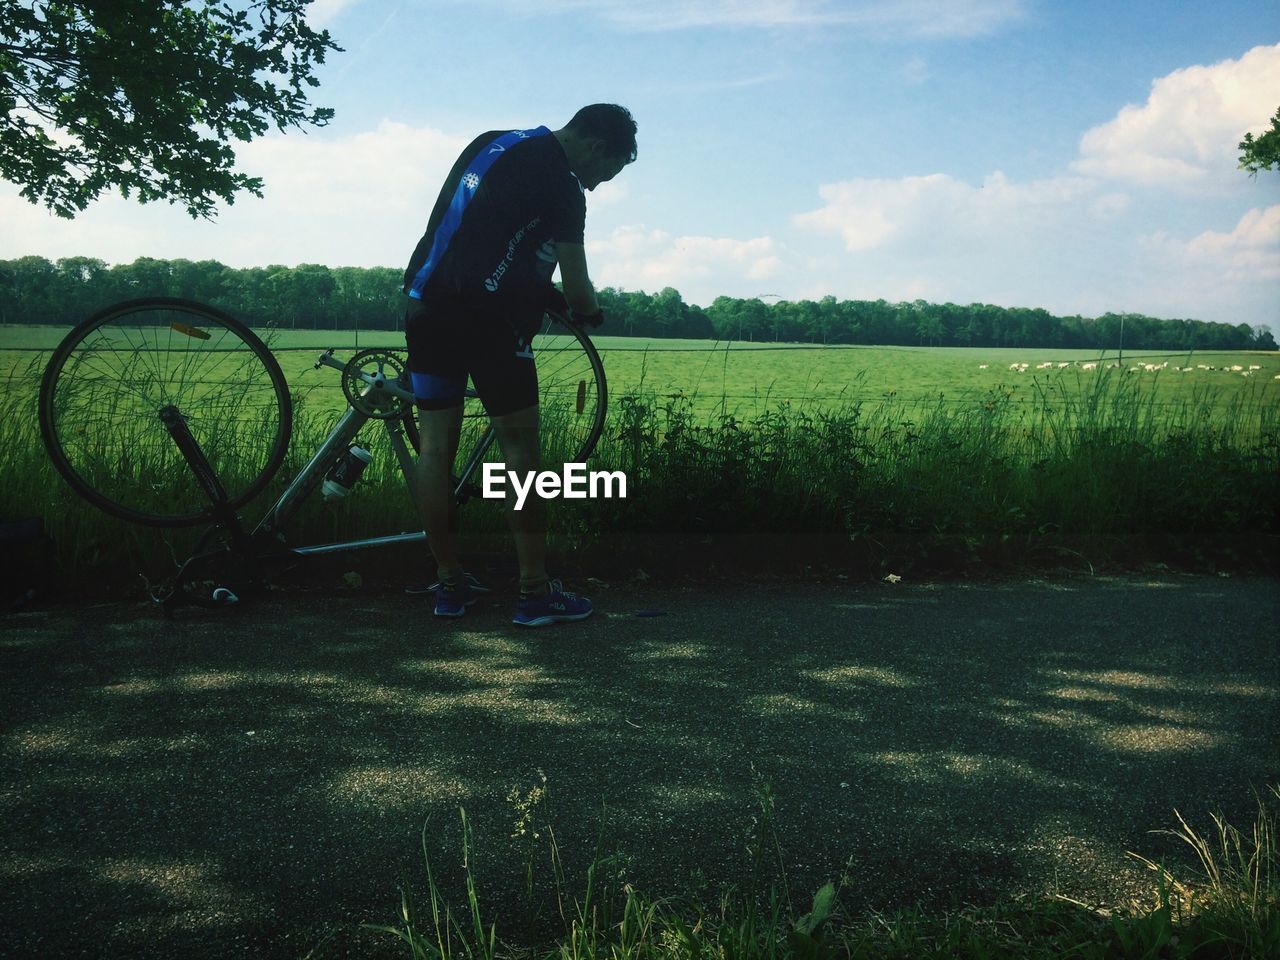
(108, 381)
(572, 392)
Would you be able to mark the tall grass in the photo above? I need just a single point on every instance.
(1096, 471)
(1232, 908)
(1226, 907)
(1090, 470)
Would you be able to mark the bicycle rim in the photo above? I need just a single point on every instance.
(109, 379)
(572, 398)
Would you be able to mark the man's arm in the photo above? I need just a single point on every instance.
(578, 290)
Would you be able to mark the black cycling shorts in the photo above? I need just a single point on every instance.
(449, 342)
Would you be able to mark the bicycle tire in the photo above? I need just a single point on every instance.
(111, 375)
(567, 389)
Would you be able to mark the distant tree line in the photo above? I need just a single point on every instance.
(305, 297)
(312, 296)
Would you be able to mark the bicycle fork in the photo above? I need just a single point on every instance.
(221, 513)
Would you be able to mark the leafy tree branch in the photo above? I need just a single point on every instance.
(1261, 153)
(149, 98)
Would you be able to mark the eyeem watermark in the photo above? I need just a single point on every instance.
(573, 484)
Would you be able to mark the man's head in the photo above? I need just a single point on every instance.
(599, 141)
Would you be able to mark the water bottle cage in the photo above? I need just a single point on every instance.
(344, 474)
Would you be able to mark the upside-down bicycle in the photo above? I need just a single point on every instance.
(171, 413)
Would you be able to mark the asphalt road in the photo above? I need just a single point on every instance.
(245, 784)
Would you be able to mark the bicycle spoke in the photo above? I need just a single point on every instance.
(106, 385)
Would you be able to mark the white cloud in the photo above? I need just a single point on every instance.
(1110, 205)
(1066, 244)
(614, 193)
(1249, 254)
(923, 213)
(701, 268)
(361, 200)
(1188, 130)
(1075, 242)
(377, 171)
(1228, 277)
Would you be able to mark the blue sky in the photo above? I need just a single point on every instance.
(1078, 156)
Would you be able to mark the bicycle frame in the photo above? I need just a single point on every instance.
(339, 439)
(265, 542)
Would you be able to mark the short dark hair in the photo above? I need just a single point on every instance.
(608, 122)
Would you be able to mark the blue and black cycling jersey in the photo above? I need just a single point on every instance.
(490, 241)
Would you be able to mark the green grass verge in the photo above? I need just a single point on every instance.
(1228, 907)
(1102, 469)
(1092, 474)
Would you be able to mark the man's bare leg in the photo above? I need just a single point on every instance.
(518, 436)
(439, 432)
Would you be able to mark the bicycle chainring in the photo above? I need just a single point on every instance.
(364, 384)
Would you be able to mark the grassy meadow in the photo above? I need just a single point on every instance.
(1061, 456)
(747, 379)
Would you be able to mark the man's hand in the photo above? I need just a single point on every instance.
(592, 320)
(556, 303)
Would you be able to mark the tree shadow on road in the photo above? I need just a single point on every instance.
(235, 785)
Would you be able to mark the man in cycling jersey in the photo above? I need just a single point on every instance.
(513, 207)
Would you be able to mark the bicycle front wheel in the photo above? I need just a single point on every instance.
(109, 381)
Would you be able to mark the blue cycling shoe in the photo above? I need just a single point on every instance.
(557, 605)
(452, 600)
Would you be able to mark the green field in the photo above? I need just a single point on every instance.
(745, 379)
(867, 447)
